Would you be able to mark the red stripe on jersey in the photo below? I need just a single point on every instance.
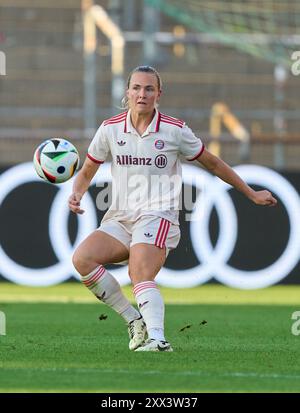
(113, 118)
(119, 120)
(94, 159)
(198, 154)
(158, 122)
(172, 118)
(115, 122)
(180, 125)
(171, 121)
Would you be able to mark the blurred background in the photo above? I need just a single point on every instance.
(230, 69)
(61, 80)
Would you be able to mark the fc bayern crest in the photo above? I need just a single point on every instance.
(159, 144)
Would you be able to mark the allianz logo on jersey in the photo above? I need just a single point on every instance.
(160, 161)
(132, 160)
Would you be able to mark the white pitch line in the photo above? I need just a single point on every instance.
(159, 372)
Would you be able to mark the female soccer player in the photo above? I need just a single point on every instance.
(141, 225)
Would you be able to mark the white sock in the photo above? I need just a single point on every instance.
(151, 306)
(107, 289)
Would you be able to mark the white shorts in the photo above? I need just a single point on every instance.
(148, 229)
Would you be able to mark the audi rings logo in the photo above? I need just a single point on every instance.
(213, 260)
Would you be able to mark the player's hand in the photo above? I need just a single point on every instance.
(263, 198)
(74, 203)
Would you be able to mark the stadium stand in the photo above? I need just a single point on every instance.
(42, 93)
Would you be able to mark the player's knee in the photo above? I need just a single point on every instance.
(81, 262)
(76, 260)
(84, 262)
(139, 273)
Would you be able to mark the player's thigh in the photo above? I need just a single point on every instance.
(145, 261)
(99, 248)
(152, 238)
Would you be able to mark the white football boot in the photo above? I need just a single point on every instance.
(137, 333)
(155, 345)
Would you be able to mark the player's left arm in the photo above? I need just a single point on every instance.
(221, 169)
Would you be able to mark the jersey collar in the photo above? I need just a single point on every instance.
(152, 128)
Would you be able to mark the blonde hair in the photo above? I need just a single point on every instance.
(145, 69)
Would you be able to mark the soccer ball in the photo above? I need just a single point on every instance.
(56, 160)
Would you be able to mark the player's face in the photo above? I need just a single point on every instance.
(143, 92)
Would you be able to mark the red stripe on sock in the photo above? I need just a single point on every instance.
(94, 277)
(145, 286)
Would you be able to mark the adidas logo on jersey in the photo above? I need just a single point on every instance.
(148, 235)
(121, 143)
(132, 160)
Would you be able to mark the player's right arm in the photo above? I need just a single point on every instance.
(96, 155)
(81, 184)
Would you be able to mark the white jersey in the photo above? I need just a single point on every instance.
(146, 170)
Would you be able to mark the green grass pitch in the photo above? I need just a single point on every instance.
(61, 339)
